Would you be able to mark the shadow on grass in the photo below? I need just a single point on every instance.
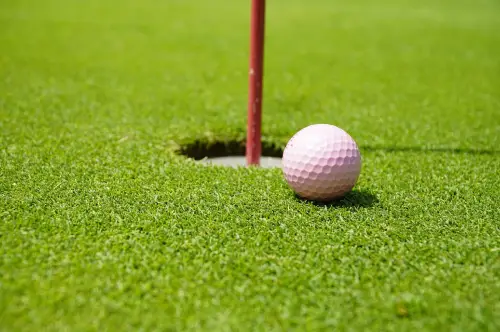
(356, 198)
(430, 150)
(200, 149)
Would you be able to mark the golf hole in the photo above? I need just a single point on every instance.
(230, 153)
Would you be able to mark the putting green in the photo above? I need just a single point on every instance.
(104, 226)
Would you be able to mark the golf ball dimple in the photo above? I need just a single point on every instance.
(321, 162)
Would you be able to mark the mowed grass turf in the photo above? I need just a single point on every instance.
(104, 227)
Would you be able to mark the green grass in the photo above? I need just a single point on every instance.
(104, 227)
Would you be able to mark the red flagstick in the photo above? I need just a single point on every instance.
(253, 147)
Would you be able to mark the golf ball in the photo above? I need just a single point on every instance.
(321, 162)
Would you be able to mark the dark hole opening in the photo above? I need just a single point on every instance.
(198, 149)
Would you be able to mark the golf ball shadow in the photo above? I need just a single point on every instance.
(354, 198)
